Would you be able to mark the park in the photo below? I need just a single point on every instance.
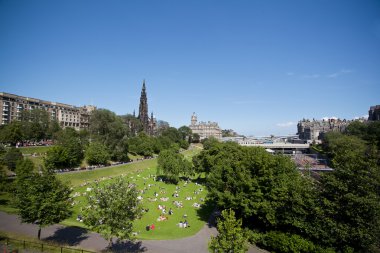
(172, 188)
(154, 192)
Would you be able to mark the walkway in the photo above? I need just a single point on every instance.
(79, 237)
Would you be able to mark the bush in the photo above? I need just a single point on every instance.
(11, 157)
(284, 242)
(97, 153)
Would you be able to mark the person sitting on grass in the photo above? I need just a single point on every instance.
(162, 218)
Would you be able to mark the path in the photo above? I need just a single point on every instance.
(79, 237)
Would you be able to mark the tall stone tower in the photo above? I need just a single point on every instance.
(194, 119)
(143, 110)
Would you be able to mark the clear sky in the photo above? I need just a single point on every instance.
(254, 66)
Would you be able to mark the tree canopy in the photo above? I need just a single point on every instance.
(40, 197)
(11, 157)
(231, 237)
(350, 194)
(97, 153)
(112, 209)
(173, 164)
(68, 153)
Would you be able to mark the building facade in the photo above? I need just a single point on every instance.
(374, 113)
(205, 130)
(11, 107)
(313, 130)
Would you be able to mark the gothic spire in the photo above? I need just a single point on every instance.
(143, 109)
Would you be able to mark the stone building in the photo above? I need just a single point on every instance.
(12, 105)
(148, 124)
(374, 113)
(313, 130)
(205, 130)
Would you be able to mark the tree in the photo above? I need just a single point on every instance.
(231, 237)
(176, 136)
(141, 144)
(133, 124)
(162, 126)
(35, 124)
(68, 153)
(350, 196)
(172, 164)
(265, 190)
(120, 151)
(11, 157)
(3, 177)
(40, 198)
(186, 133)
(109, 129)
(196, 138)
(112, 209)
(97, 153)
(53, 129)
(11, 133)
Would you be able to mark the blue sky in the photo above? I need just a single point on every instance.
(254, 66)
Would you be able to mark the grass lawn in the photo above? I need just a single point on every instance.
(37, 149)
(6, 204)
(143, 174)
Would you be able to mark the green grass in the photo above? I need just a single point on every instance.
(78, 178)
(142, 174)
(37, 160)
(134, 156)
(164, 229)
(6, 203)
(37, 149)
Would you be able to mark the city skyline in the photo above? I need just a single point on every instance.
(255, 67)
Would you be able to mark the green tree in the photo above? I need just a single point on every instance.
(112, 209)
(53, 129)
(120, 151)
(265, 190)
(350, 196)
(231, 237)
(186, 133)
(133, 124)
(57, 158)
(173, 164)
(11, 157)
(176, 136)
(142, 144)
(40, 197)
(35, 124)
(68, 153)
(109, 129)
(3, 177)
(97, 153)
(196, 138)
(11, 133)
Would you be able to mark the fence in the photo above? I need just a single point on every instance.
(9, 245)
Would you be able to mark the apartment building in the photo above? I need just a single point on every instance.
(11, 107)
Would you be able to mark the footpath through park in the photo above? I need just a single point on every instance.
(81, 238)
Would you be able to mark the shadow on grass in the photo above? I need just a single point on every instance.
(199, 180)
(4, 202)
(71, 236)
(206, 213)
(125, 246)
